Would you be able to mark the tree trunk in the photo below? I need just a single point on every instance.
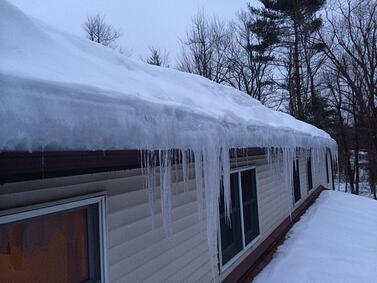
(297, 79)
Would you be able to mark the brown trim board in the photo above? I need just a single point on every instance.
(262, 255)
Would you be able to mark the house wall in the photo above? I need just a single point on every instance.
(137, 247)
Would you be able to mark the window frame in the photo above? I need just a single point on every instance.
(245, 248)
(42, 209)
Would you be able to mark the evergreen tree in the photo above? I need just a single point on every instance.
(289, 25)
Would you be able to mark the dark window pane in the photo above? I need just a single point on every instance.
(50, 248)
(296, 181)
(310, 176)
(231, 236)
(250, 205)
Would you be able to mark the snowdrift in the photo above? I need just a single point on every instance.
(335, 241)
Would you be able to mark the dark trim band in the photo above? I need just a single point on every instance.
(24, 166)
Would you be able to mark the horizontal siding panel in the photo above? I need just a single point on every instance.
(129, 199)
(152, 267)
(133, 230)
(193, 251)
(150, 250)
(206, 277)
(135, 213)
(193, 270)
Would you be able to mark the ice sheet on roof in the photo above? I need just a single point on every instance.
(63, 92)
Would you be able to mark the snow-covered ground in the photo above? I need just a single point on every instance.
(334, 241)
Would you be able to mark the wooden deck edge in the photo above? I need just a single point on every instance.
(262, 255)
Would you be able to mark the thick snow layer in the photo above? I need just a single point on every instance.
(58, 91)
(335, 241)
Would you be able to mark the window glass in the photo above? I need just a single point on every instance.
(296, 181)
(50, 248)
(250, 206)
(231, 235)
(310, 176)
(244, 215)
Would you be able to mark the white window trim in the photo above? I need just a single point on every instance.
(28, 212)
(252, 243)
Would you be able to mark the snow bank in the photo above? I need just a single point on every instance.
(58, 91)
(335, 241)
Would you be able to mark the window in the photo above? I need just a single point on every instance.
(56, 243)
(243, 228)
(296, 181)
(327, 169)
(309, 173)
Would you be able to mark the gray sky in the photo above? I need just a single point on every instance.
(143, 22)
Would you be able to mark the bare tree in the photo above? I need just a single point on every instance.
(158, 57)
(205, 48)
(99, 31)
(350, 44)
(250, 61)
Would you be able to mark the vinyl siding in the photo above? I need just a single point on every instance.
(138, 249)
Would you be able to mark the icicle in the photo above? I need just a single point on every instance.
(288, 158)
(235, 153)
(211, 166)
(212, 170)
(148, 165)
(176, 169)
(270, 155)
(189, 165)
(226, 181)
(184, 170)
(165, 190)
(198, 157)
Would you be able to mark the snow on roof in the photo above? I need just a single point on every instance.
(335, 241)
(59, 91)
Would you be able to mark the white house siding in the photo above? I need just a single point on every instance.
(137, 252)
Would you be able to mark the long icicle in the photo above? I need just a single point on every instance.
(198, 159)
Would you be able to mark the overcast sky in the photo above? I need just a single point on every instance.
(143, 23)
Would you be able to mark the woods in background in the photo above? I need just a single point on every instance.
(314, 59)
